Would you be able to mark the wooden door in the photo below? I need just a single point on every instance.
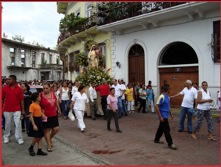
(136, 69)
(176, 78)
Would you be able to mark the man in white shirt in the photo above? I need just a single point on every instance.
(75, 87)
(190, 95)
(93, 100)
(123, 90)
(118, 94)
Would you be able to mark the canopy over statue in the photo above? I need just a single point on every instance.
(93, 56)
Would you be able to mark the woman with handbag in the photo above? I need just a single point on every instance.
(49, 105)
(79, 104)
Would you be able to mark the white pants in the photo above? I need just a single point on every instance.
(80, 117)
(17, 122)
(130, 105)
(150, 103)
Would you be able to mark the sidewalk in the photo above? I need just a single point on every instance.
(63, 154)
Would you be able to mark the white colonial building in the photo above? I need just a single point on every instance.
(29, 62)
(172, 41)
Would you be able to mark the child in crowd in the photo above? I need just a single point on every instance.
(130, 98)
(36, 129)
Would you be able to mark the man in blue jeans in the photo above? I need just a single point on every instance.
(190, 95)
(119, 91)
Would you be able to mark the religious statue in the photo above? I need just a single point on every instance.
(93, 57)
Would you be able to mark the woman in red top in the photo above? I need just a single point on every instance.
(49, 105)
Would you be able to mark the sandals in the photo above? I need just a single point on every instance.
(194, 136)
(211, 138)
(51, 143)
(49, 149)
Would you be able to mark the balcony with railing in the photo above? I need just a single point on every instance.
(111, 12)
(108, 12)
(79, 26)
(45, 65)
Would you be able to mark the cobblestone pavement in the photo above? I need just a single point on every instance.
(135, 145)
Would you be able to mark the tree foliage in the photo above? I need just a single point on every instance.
(71, 21)
(18, 38)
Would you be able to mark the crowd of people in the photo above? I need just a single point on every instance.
(37, 113)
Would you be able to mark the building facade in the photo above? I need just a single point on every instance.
(29, 62)
(172, 41)
(72, 40)
(157, 41)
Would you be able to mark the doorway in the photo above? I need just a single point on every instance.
(185, 60)
(136, 64)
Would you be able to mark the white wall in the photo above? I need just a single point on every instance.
(196, 34)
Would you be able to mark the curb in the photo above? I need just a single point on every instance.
(82, 151)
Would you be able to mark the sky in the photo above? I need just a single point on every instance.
(35, 21)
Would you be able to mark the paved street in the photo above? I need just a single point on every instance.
(134, 146)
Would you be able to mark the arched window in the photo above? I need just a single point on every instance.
(178, 53)
(136, 50)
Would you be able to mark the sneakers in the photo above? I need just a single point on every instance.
(173, 147)
(41, 153)
(20, 141)
(31, 152)
(6, 141)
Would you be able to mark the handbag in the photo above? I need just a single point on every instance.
(44, 119)
(213, 105)
(71, 115)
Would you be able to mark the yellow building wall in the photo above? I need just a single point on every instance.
(99, 38)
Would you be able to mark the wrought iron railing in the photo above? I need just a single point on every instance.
(88, 23)
(114, 11)
(109, 12)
